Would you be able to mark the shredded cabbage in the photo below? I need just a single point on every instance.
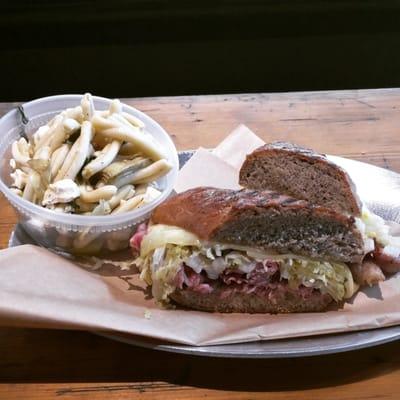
(332, 278)
(160, 267)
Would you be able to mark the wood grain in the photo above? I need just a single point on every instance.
(40, 364)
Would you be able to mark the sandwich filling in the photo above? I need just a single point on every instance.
(172, 258)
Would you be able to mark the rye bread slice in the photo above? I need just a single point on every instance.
(264, 219)
(291, 302)
(301, 173)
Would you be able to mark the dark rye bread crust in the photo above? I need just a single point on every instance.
(248, 303)
(263, 219)
(302, 173)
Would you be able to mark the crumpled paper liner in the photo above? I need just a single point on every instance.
(219, 167)
(41, 289)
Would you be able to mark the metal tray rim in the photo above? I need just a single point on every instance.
(263, 349)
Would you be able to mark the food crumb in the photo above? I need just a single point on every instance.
(147, 314)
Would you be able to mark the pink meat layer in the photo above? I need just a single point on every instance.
(136, 239)
(263, 281)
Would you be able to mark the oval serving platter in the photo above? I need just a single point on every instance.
(380, 190)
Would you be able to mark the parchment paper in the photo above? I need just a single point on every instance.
(41, 289)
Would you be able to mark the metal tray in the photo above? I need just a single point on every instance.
(380, 190)
(283, 348)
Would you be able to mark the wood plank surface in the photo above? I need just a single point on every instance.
(44, 364)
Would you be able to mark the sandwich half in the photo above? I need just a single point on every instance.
(248, 251)
(304, 174)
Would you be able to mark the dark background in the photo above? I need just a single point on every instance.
(130, 48)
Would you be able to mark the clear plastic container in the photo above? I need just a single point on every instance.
(76, 234)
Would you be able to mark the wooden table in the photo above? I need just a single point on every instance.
(42, 364)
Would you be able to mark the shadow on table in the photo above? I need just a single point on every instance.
(29, 355)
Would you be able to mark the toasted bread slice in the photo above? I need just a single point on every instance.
(302, 174)
(264, 219)
(288, 302)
